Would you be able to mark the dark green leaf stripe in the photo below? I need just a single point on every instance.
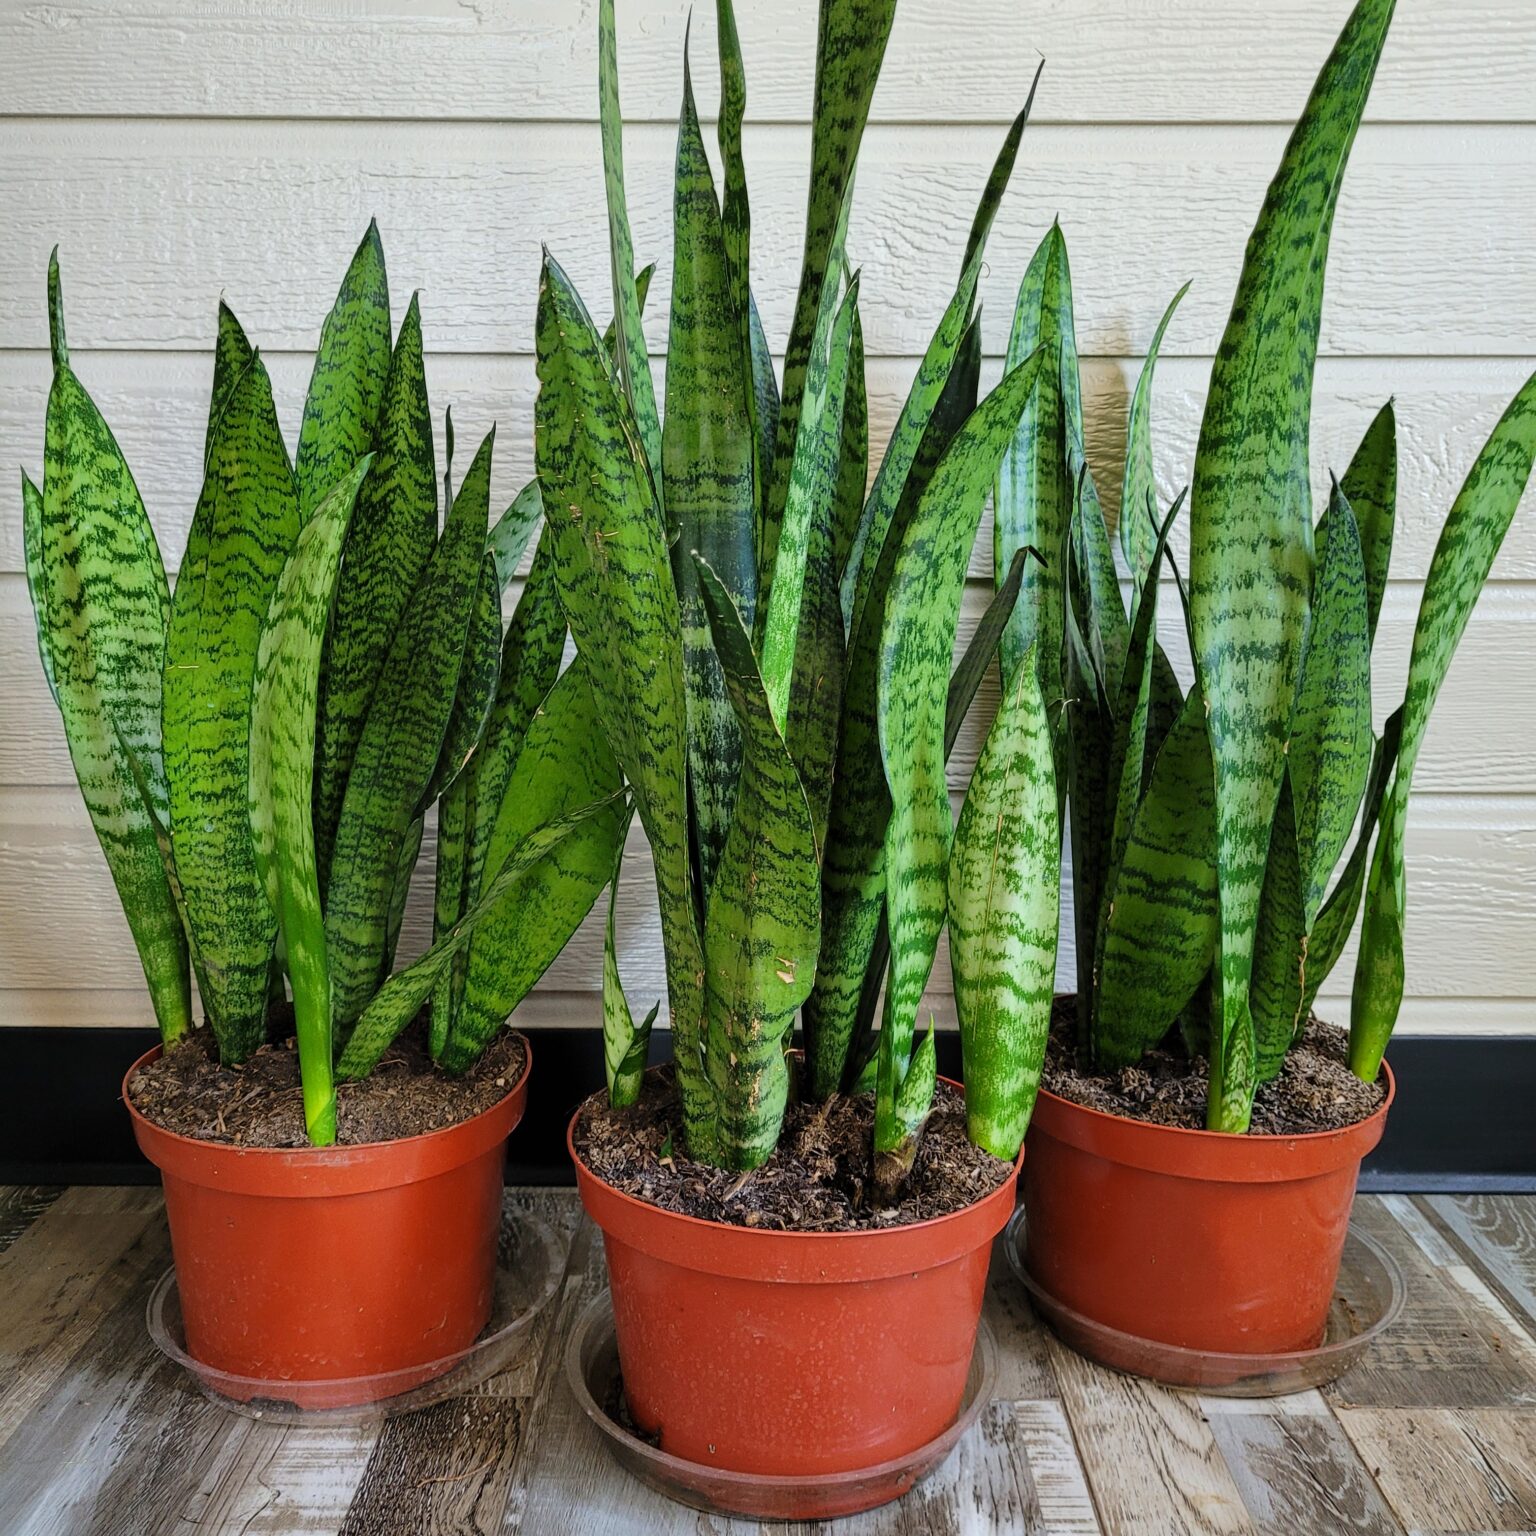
(1138, 498)
(1473, 532)
(388, 544)
(102, 605)
(512, 531)
(615, 582)
(707, 459)
(283, 710)
(347, 384)
(1160, 919)
(1003, 891)
(232, 355)
(400, 998)
(917, 643)
(1370, 487)
(1329, 755)
(816, 682)
(763, 925)
(853, 855)
(1033, 499)
(242, 532)
(634, 361)
(565, 763)
(400, 745)
(1250, 520)
(850, 44)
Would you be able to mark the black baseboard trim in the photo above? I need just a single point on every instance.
(1463, 1120)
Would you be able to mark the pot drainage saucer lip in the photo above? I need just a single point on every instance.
(529, 1263)
(1367, 1298)
(591, 1370)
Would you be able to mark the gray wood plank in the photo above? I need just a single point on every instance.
(1454, 1346)
(21, 1205)
(1499, 1233)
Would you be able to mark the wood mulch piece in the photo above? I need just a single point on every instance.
(1315, 1090)
(260, 1103)
(819, 1178)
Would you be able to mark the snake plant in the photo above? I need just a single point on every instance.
(259, 747)
(770, 646)
(1208, 827)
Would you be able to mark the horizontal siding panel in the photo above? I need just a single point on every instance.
(155, 223)
(1125, 60)
(157, 405)
(1471, 885)
(1486, 701)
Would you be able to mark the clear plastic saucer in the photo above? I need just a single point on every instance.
(1367, 1298)
(592, 1369)
(528, 1269)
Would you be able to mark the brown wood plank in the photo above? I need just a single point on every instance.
(1499, 1233)
(21, 1205)
(1454, 1346)
(1451, 1470)
(1153, 1464)
(1296, 1469)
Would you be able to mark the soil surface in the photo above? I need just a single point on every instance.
(260, 1104)
(819, 1178)
(1315, 1090)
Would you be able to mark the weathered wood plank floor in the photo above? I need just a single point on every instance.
(1435, 1433)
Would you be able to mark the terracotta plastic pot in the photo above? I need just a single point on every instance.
(793, 1353)
(332, 1264)
(1194, 1238)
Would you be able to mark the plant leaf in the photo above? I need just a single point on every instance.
(246, 521)
(1251, 523)
(232, 355)
(347, 386)
(283, 709)
(763, 925)
(917, 641)
(1003, 892)
(615, 582)
(102, 606)
(389, 542)
(564, 764)
(853, 452)
(475, 693)
(509, 536)
(1280, 944)
(400, 998)
(400, 745)
(625, 1048)
(1370, 487)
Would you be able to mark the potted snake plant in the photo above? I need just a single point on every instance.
(771, 649)
(1195, 1149)
(258, 747)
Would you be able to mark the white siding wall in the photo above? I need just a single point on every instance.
(177, 150)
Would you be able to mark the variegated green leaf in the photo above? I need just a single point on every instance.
(853, 454)
(513, 530)
(565, 763)
(765, 407)
(625, 1048)
(917, 642)
(1370, 487)
(853, 855)
(1329, 752)
(450, 900)
(405, 866)
(1003, 891)
(101, 603)
(347, 386)
(910, 1108)
(475, 691)
(1138, 498)
(284, 705)
(634, 361)
(763, 924)
(242, 532)
(390, 540)
(1160, 917)
(1474, 529)
(1251, 524)
(707, 465)
(400, 998)
(1280, 944)
(615, 582)
(850, 44)
(400, 744)
(232, 355)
